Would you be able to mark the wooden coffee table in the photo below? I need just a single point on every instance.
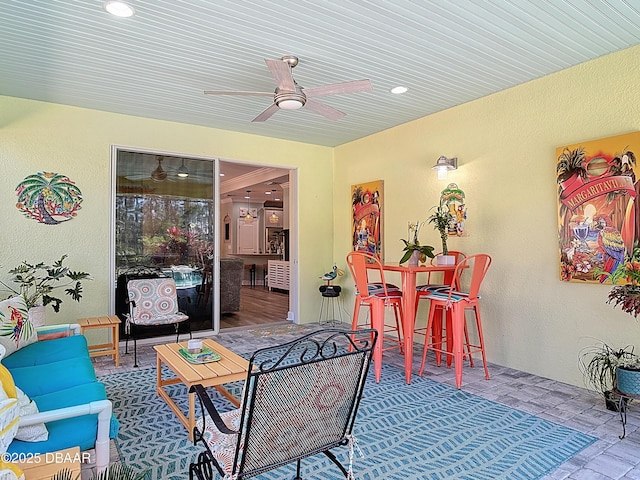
(230, 368)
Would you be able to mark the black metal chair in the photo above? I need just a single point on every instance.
(300, 399)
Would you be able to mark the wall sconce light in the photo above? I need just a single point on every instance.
(444, 164)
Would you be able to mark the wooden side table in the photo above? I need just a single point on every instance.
(43, 466)
(107, 321)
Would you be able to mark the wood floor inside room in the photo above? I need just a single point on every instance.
(258, 306)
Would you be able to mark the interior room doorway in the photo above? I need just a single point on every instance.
(255, 211)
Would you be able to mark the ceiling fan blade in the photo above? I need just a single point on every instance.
(324, 110)
(254, 94)
(281, 72)
(355, 86)
(266, 114)
(142, 178)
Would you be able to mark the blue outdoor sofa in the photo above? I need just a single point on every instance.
(59, 377)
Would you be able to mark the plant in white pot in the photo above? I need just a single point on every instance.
(413, 251)
(35, 283)
(441, 219)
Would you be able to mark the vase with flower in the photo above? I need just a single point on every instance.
(414, 252)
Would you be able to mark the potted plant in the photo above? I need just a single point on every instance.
(413, 251)
(599, 365)
(36, 283)
(441, 219)
(627, 297)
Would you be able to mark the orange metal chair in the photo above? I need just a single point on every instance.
(455, 302)
(422, 291)
(377, 295)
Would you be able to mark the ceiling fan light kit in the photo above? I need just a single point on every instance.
(289, 95)
(183, 171)
(290, 101)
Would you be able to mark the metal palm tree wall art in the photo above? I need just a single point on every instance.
(48, 198)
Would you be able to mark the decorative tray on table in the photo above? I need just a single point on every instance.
(205, 356)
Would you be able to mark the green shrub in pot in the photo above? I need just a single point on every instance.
(599, 365)
(625, 296)
(36, 283)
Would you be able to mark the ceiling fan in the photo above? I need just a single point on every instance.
(157, 174)
(289, 95)
(161, 172)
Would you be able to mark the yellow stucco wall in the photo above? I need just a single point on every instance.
(37, 136)
(505, 144)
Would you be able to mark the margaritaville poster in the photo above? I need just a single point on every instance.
(598, 206)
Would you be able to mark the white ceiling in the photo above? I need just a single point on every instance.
(158, 63)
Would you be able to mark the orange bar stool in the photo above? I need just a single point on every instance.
(456, 303)
(377, 296)
(422, 291)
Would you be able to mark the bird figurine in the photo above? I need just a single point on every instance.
(610, 243)
(335, 272)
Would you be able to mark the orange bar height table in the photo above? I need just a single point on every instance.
(408, 276)
(111, 322)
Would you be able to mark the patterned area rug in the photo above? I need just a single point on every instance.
(425, 430)
(276, 330)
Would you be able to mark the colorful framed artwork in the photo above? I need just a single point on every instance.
(367, 203)
(598, 206)
(452, 198)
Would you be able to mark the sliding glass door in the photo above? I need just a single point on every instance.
(165, 225)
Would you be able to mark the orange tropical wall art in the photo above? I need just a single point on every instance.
(366, 226)
(598, 206)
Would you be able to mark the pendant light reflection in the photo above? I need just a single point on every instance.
(248, 218)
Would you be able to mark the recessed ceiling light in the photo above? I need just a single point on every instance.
(398, 90)
(118, 9)
(267, 193)
(222, 174)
